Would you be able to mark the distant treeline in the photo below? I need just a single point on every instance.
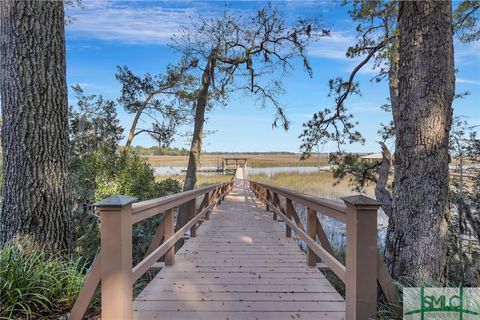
(163, 151)
(252, 153)
(160, 151)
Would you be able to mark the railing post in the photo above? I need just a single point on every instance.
(288, 230)
(214, 197)
(267, 198)
(312, 233)
(276, 202)
(361, 278)
(169, 231)
(219, 190)
(191, 214)
(116, 256)
(207, 215)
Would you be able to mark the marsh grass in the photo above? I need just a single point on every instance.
(254, 160)
(202, 180)
(34, 285)
(315, 183)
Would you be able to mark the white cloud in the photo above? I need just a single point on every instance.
(333, 47)
(466, 54)
(467, 81)
(128, 24)
(363, 107)
(87, 85)
(310, 3)
(368, 69)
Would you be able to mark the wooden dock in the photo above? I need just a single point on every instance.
(238, 263)
(239, 266)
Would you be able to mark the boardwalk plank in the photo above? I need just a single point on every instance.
(182, 315)
(239, 306)
(236, 281)
(276, 268)
(242, 296)
(248, 275)
(285, 288)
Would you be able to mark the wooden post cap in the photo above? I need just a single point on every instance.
(361, 200)
(115, 201)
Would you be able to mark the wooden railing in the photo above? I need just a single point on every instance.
(112, 267)
(364, 267)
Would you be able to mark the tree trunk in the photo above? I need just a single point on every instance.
(416, 239)
(382, 194)
(131, 134)
(36, 201)
(197, 139)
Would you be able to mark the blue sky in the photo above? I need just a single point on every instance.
(137, 33)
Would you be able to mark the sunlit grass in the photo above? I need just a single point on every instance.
(266, 161)
(34, 285)
(206, 180)
(316, 183)
(254, 161)
(202, 180)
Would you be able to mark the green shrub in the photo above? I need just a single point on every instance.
(124, 173)
(104, 173)
(34, 285)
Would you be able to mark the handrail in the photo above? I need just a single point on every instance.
(113, 264)
(149, 260)
(333, 209)
(149, 208)
(336, 266)
(364, 267)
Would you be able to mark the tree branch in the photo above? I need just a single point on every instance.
(381, 192)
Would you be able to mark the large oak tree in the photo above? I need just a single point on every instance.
(35, 194)
(416, 242)
(419, 53)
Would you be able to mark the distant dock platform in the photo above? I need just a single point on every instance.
(219, 170)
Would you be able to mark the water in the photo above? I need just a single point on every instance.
(172, 171)
(270, 171)
(335, 230)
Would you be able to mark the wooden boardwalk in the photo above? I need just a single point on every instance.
(240, 266)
